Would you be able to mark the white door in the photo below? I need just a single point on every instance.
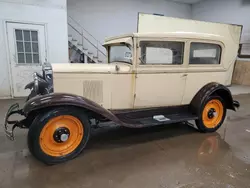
(27, 54)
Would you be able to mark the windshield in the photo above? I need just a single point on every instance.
(120, 53)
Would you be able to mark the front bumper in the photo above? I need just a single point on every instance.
(9, 126)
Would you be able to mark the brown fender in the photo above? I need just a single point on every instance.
(213, 88)
(63, 99)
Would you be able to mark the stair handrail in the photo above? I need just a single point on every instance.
(82, 35)
(85, 38)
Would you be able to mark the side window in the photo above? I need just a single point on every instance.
(162, 52)
(204, 53)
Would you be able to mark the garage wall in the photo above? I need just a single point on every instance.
(51, 12)
(225, 11)
(104, 18)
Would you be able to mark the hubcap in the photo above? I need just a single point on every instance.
(64, 137)
(211, 113)
(61, 134)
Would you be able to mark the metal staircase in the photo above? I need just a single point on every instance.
(83, 47)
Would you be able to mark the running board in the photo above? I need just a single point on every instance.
(155, 116)
(166, 119)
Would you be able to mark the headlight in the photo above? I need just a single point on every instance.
(48, 73)
(36, 82)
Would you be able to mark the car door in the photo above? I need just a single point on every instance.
(160, 73)
(204, 66)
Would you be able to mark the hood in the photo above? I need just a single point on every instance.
(90, 68)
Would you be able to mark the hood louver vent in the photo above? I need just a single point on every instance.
(93, 90)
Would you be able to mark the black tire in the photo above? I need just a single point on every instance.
(39, 123)
(201, 123)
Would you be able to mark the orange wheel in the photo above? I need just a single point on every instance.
(61, 135)
(212, 113)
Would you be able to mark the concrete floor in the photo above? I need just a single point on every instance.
(171, 156)
(239, 89)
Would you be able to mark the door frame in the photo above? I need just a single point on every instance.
(156, 68)
(7, 47)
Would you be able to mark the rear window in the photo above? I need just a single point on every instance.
(204, 53)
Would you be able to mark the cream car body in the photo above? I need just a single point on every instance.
(171, 70)
(126, 86)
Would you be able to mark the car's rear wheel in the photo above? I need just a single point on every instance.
(212, 114)
(58, 135)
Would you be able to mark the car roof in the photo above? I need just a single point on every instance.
(177, 35)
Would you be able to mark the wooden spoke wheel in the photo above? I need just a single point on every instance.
(58, 135)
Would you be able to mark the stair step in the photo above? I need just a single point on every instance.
(79, 46)
(74, 41)
(75, 44)
(70, 37)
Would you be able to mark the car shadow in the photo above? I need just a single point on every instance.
(117, 136)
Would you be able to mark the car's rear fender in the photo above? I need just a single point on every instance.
(213, 88)
(45, 102)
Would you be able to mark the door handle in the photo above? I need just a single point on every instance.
(184, 75)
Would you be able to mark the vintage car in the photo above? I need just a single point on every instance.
(160, 75)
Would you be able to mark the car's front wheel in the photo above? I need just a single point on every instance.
(212, 114)
(58, 135)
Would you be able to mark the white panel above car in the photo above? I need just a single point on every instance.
(187, 1)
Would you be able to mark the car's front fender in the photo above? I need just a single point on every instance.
(63, 99)
(29, 85)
